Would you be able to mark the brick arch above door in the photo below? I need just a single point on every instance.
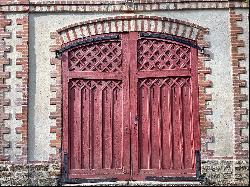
(128, 24)
(178, 28)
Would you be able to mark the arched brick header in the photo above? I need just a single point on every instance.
(175, 27)
(130, 23)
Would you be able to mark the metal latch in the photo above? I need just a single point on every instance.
(136, 120)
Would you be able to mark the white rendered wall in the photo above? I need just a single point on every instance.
(39, 107)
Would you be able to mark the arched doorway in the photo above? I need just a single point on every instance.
(130, 107)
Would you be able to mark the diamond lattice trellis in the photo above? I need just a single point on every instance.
(98, 84)
(162, 55)
(170, 81)
(101, 57)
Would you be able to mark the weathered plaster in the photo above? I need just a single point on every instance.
(39, 108)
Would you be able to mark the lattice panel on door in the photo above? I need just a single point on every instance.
(95, 126)
(162, 55)
(170, 81)
(166, 129)
(98, 84)
(100, 57)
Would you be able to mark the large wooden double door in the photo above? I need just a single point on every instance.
(130, 107)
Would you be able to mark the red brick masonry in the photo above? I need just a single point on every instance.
(23, 49)
(3, 86)
(237, 70)
(113, 5)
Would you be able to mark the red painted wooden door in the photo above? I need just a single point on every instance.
(96, 110)
(164, 106)
(130, 108)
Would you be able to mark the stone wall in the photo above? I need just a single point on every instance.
(33, 174)
(226, 172)
(217, 172)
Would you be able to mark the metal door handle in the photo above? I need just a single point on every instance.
(136, 120)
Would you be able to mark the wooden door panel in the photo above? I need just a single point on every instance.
(165, 128)
(130, 108)
(157, 54)
(97, 57)
(94, 126)
(96, 111)
(165, 83)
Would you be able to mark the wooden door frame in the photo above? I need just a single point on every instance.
(66, 76)
(131, 58)
(134, 77)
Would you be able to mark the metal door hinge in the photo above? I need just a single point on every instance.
(170, 37)
(66, 180)
(198, 176)
(65, 167)
(85, 42)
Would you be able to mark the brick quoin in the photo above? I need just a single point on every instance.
(57, 101)
(3, 86)
(23, 50)
(237, 70)
(204, 97)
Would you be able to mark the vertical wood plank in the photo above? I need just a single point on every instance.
(155, 147)
(76, 128)
(195, 101)
(167, 128)
(181, 127)
(195, 97)
(91, 128)
(133, 37)
(112, 123)
(97, 128)
(186, 128)
(144, 127)
(192, 128)
(117, 129)
(85, 128)
(72, 128)
(171, 125)
(176, 129)
(107, 127)
(126, 152)
(149, 114)
(160, 125)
